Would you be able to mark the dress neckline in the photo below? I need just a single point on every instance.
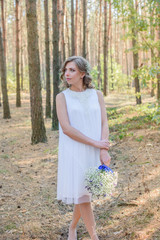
(77, 91)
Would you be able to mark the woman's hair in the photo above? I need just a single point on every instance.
(83, 66)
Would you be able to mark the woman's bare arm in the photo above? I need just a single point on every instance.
(105, 129)
(71, 131)
(104, 155)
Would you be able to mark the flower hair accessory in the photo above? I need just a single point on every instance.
(101, 182)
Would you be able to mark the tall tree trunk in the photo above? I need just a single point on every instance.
(59, 12)
(126, 54)
(21, 47)
(106, 38)
(84, 28)
(76, 29)
(135, 66)
(117, 40)
(3, 35)
(63, 30)
(18, 90)
(6, 110)
(111, 56)
(135, 57)
(87, 44)
(13, 49)
(48, 88)
(99, 45)
(0, 96)
(67, 32)
(3, 26)
(41, 50)
(158, 74)
(55, 64)
(38, 128)
(152, 50)
(22, 68)
(80, 36)
(72, 27)
(105, 86)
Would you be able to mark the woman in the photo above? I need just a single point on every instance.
(83, 140)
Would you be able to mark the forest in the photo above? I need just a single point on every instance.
(121, 41)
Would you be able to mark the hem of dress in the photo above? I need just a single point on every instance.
(82, 199)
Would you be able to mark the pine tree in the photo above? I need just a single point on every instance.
(55, 64)
(18, 90)
(38, 128)
(6, 110)
(48, 88)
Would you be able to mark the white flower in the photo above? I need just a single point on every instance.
(100, 183)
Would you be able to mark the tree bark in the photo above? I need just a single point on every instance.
(152, 50)
(105, 86)
(48, 88)
(158, 74)
(13, 49)
(3, 27)
(63, 30)
(67, 32)
(41, 46)
(18, 90)
(59, 12)
(80, 35)
(84, 28)
(3, 35)
(55, 64)
(72, 27)
(99, 45)
(76, 29)
(135, 57)
(127, 69)
(38, 128)
(6, 110)
(135, 66)
(22, 48)
(111, 56)
(117, 40)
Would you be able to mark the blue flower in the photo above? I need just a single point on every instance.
(105, 168)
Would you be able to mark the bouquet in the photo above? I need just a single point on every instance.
(101, 182)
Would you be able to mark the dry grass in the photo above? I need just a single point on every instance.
(29, 209)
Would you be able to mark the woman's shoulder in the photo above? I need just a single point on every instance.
(60, 96)
(99, 93)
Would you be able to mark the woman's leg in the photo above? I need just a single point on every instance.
(88, 218)
(75, 219)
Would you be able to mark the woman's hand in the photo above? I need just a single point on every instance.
(102, 144)
(105, 157)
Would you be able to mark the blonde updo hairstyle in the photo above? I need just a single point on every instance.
(83, 66)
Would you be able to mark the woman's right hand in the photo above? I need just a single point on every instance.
(102, 144)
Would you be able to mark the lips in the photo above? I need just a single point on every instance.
(68, 79)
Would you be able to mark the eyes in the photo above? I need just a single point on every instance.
(70, 69)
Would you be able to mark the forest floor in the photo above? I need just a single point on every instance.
(28, 205)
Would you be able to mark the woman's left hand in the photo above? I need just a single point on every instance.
(105, 157)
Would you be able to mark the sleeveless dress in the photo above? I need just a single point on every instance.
(75, 158)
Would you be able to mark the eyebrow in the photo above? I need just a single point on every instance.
(70, 68)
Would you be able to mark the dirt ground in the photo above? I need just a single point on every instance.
(28, 205)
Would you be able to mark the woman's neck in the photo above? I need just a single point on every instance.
(77, 88)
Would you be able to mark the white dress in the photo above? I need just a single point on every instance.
(74, 158)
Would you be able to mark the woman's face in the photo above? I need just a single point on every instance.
(72, 74)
